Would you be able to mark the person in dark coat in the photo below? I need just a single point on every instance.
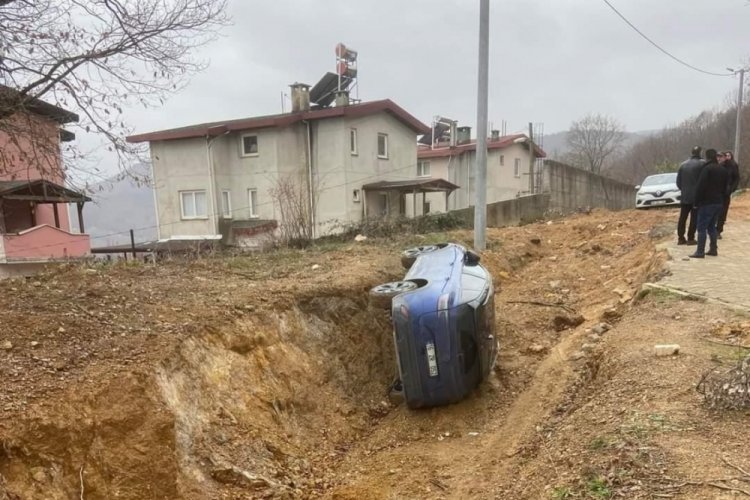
(687, 180)
(734, 181)
(709, 199)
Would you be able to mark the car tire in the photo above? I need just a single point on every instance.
(381, 295)
(409, 256)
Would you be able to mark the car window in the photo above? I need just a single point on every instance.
(655, 180)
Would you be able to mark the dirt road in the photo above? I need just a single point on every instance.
(265, 377)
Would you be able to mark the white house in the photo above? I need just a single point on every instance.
(509, 160)
(236, 178)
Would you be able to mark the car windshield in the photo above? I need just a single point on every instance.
(655, 180)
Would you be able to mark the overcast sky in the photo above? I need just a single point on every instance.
(551, 61)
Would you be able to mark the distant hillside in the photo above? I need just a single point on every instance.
(556, 145)
(118, 206)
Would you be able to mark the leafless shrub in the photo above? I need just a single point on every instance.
(729, 390)
(293, 201)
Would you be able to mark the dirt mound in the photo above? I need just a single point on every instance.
(266, 375)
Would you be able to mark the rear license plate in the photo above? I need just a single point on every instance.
(431, 359)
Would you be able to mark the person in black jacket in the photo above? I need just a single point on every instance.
(734, 181)
(687, 180)
(709, 199)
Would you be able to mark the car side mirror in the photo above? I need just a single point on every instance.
(638, 187)
(471, 258)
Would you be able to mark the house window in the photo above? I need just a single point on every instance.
(249, 145)
(193, 204)
(426, 208)
(517, 167)
(226, 204)
(355, 196)
(383, 146)
(502, 160)
(353, 141)
(252, 202)
(423, 169)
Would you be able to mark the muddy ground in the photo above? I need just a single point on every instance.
(265, 376)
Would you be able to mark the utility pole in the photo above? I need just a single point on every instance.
(480, 177)
(739, 117)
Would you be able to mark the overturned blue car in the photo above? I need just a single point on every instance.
(443, 314)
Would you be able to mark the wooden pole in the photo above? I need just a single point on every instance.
(132, 242)
(80, 217)
(57, 216)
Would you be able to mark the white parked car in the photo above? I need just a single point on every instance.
(658, 190)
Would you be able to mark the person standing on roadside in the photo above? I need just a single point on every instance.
(709, 200)
(687, 181)
(734, 181)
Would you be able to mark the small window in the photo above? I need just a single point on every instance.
(517, 167)
(383, 146)
(502, 160)
(355, 196)
(423, 169)
(249, 145)
(226, 204)
(252, 202)
(353, 141)
(193, 204)
(426, 208)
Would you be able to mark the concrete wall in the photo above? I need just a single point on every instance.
(512, 212)
(571, 188)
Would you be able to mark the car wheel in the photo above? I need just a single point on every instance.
(409, 256)
(381, 295)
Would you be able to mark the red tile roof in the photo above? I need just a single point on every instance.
(502, 142)
(282, 120)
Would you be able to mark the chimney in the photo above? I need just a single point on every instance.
(300, 97)
(453, 133)
(342, 98)
(464, 135)
(495, 135)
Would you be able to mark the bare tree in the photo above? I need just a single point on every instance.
(94, 57)
(593, 140)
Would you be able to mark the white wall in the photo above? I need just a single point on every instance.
(179, 166)
(339, 172)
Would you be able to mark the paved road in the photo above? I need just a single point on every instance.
(725, 278)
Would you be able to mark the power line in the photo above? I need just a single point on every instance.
(675, 58)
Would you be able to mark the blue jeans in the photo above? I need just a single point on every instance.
(708, 216)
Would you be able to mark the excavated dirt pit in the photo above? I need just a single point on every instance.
(214, 382)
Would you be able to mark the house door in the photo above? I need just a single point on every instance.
(402, 204)
(383, 204)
